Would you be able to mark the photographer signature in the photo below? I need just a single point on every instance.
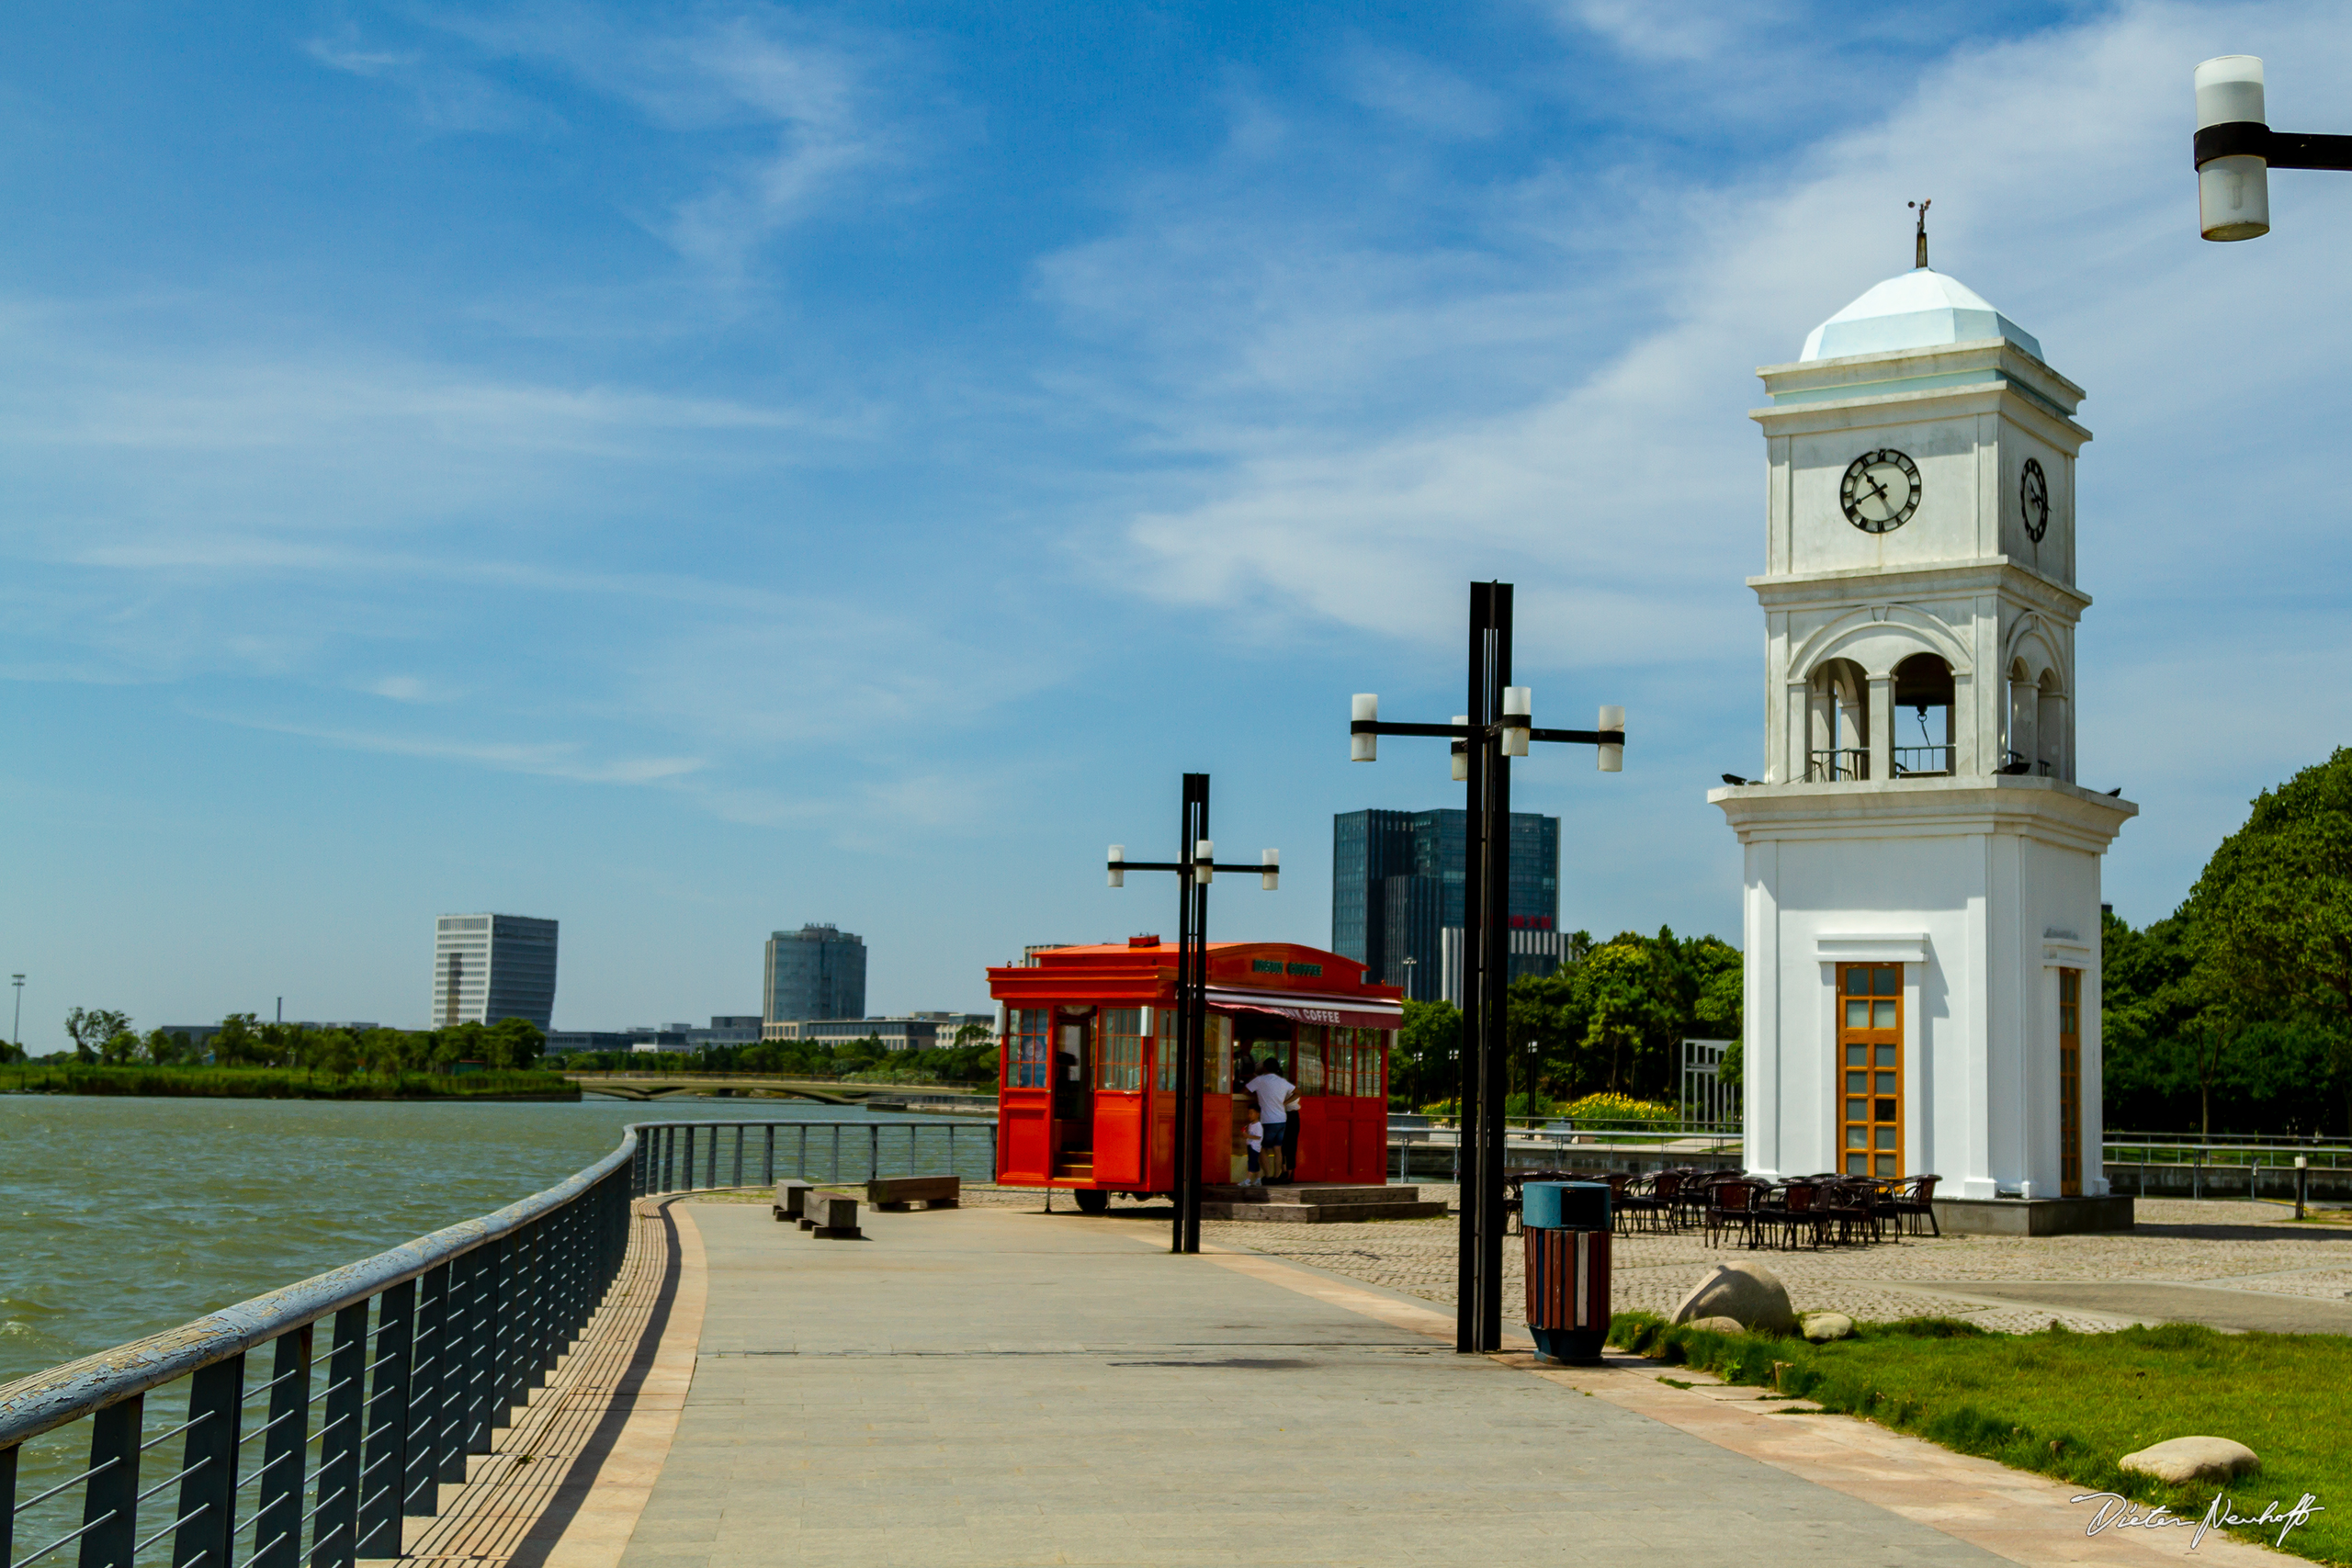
(2118, 1512)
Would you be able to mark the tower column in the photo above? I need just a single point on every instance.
(1882, 724)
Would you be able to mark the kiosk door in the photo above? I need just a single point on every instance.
(1119, 1097)
(1073, 1084)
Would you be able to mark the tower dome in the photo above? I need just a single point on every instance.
(1920, 309)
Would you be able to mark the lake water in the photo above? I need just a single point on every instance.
(120, 1218)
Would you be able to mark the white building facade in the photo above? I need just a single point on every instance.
(1922, 863)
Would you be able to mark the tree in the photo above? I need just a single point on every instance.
(91, 1027)
(118, 1049)
(1423, 1066)
(2271, 916)
(164, 1049)
(515, 1042)
(238, 1041)
(1618, 985)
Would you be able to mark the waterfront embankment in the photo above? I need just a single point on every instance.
(280, 1083)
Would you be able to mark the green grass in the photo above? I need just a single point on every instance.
(278, 1083)
(2069, 1405)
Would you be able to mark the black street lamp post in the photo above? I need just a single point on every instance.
(1194, 868)
(1498, 727)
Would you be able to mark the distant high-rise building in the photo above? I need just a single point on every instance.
(815, 972)
(488, 967)
(1397, 888)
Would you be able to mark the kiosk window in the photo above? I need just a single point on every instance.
(1121, 1065)
(1025, 1055)
(1311, 1058)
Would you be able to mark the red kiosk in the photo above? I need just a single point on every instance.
(1110, 1013)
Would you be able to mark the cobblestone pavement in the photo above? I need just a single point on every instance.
(2238, 1246)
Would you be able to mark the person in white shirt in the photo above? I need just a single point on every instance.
(1275, 1095)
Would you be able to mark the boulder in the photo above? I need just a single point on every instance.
(1718, 1324)
(1822, 1326)
(1749, 1294)
(2183, 1459)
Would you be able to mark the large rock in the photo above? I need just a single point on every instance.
(1822, 1326)
(1747, 1292)
(1718, 1324)
(2193, 1459)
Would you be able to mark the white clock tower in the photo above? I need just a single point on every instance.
(1922, 903)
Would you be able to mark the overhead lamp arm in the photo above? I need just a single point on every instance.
(2280, 148)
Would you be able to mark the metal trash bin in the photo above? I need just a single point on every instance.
(1566, 1230)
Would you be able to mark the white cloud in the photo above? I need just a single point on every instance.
(808, 93)
(1420, 93)
(558, 760)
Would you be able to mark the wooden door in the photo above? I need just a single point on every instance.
(1869, 1049)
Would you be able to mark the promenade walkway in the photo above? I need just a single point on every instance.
(996, 1386)
(989, 1386)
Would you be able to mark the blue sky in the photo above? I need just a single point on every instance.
(690, 469)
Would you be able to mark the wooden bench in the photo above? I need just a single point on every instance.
(830, 1215)
(789, 1194)
(899, 1192)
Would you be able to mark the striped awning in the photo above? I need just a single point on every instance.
(1347, 1012)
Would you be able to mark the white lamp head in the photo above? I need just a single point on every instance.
(1270, 877)
(1203, 854)
(1611, 759)
(1519, 701)
(1118, 874)
(1461, 752)
(2233, 193)
(1364, 747)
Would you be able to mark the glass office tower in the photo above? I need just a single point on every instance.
(487, 967)
(1397, 888)
(815, 972)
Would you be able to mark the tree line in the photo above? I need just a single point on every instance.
(104, 1037)
(1610, 1020)
(972, 1059)
(2234, 1013)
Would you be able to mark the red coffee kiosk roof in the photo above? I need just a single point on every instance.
(1305, 983)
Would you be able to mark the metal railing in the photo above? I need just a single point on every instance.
(2172, 1165)
(1842, 765)
(689, 1157)
(431, 1344)
(1923, 761)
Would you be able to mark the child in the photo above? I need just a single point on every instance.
(1257, 1141)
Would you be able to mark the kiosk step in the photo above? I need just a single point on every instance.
(1316, 1204)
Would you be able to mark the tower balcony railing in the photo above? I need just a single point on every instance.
(1923, 761)
(2017, 762)
(1842, 765)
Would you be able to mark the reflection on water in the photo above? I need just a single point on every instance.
(123, 1217)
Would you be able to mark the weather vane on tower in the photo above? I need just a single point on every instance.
(1919, 254)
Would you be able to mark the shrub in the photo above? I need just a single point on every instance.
(1614, 1107)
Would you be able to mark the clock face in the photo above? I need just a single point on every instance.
(2033, 499)
(1881, 491)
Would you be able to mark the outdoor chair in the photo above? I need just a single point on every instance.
(1636, 1204)
(1846, 1204)
(1732, 1205)
(1666, 1197)
(1696, 1195)
(1914, 1199)
(1795, 1208)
